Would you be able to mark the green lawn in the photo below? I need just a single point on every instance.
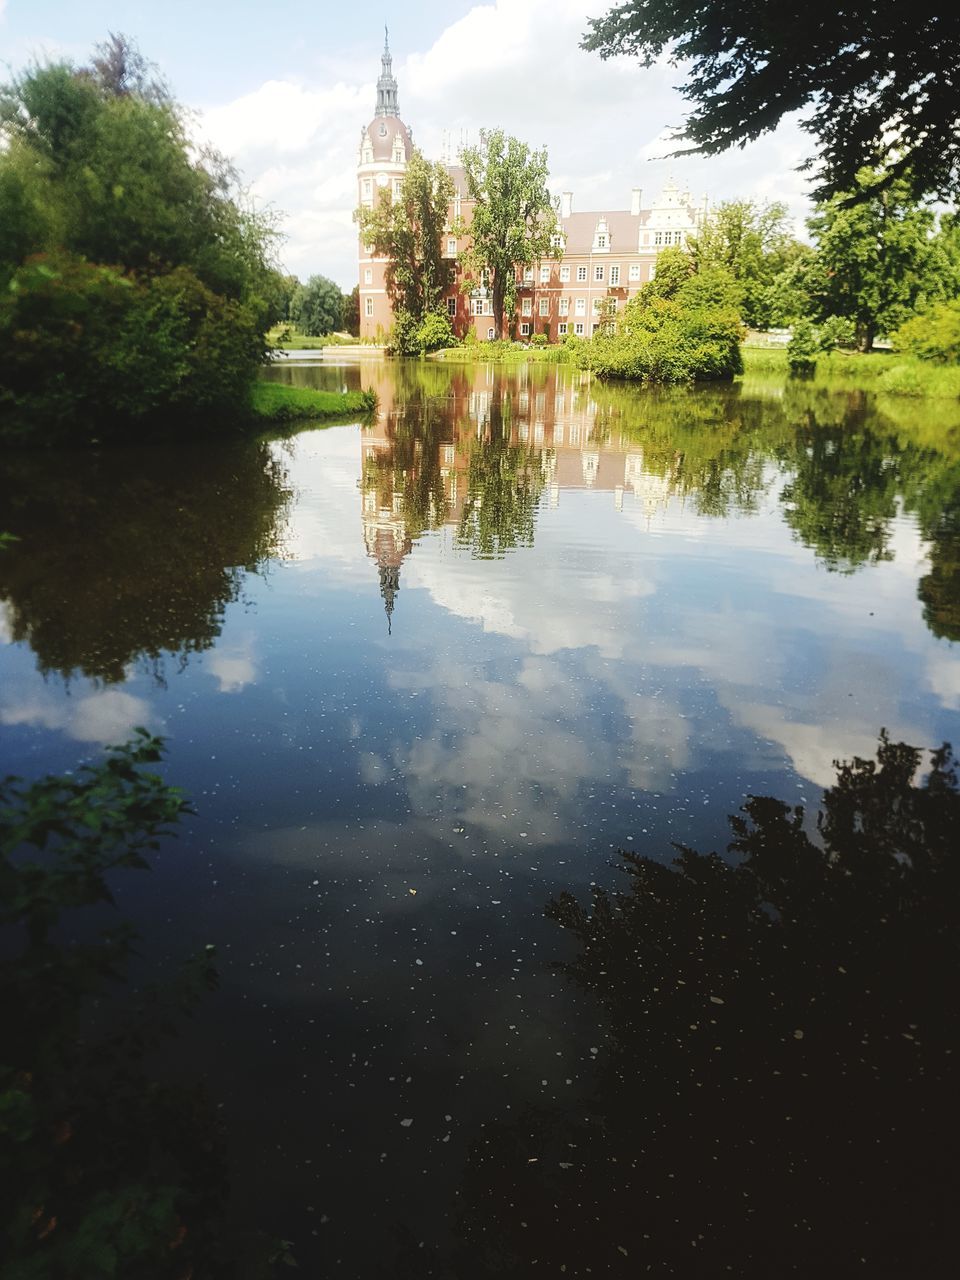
(886, 372)
(276, 403)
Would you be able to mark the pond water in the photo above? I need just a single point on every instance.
(423, 676)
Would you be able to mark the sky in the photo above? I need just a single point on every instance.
(285, 90)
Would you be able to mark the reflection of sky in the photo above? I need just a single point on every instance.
(381, 818)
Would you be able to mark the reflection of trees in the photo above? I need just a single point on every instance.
(133, 553)
(777, 1055)
(504, 485)
(939, 590)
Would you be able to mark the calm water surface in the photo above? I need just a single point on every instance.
(424, 675)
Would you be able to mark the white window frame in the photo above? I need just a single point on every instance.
(451, 246)
(564, 307)
(544, 306)
(634, 271)
(491, 334)
(580, 307)
(581, 275)
(545, 274)
(368, 308)
(614, 276)
(578, 328)
(528, 275)
(452, 305)
(526, 307)
(525, 331)
(598, 273)
(368, 275)
(562, 328)
(565, 274)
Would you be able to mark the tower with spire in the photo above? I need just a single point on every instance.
(386, 146)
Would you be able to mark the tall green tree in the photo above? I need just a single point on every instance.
(408, 231)
(755, 244)
(350, 319)
(514, 220)
(880, 83)
(130, 258)
(316, 307)
(874, 257)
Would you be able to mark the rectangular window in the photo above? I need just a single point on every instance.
(490, 332)
(451, 306)
(524, 331)
(451, 247)
(367, 188)
(368, 275)
(598, 272)
(368, 307)
(614, 276)
(526, 307)
(601, 241)
(476, 307)
(597, 304)
(528, 275)
(580, 307)
(578, 328)
(562, 328)
(658, 238)
(581, 274)
(634, 271)
(596, 327)
(565, 274)
(545, 275)
(653, 272)
(397, 188)
(564, 306)
(544, 306)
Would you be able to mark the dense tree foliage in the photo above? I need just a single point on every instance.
(880, 84)
(350, 314)
(875, 257)
(408, 231)
(680, 327)
(934, 334)
(514, 221)
(117, 237)
(754, 243)
(316, 308)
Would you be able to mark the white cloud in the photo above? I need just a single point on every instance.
(105, 716)
(515, 65)
(233, 667)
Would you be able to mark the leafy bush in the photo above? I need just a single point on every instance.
(934, 334)
(91, 350)
(435, 332)
(802, 348)
(836, 331)
(679, 328)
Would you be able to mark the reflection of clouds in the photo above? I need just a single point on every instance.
(104, 716)
(561, 597)
(234, 667)
(943, 676)
(325, 528)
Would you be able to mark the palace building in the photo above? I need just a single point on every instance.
(605, 257)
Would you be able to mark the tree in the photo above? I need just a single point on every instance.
(514, 220)
(109, 215)
(754, 243)
(880, 83)
(802, 348)
(317, 307)
(350, 316)
(408, 232)
(873, 256)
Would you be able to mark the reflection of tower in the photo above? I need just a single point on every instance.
(389, 586)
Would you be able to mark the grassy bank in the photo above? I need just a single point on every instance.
(885, 372)
(286, 337)
(503, 353)
(275, 403)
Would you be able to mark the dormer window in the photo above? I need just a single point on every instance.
(601, 237)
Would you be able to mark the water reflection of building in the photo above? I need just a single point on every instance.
(422, 461)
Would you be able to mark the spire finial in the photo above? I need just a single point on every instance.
(387, 84)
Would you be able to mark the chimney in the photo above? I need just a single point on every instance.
(566, 204)
(635, 201)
